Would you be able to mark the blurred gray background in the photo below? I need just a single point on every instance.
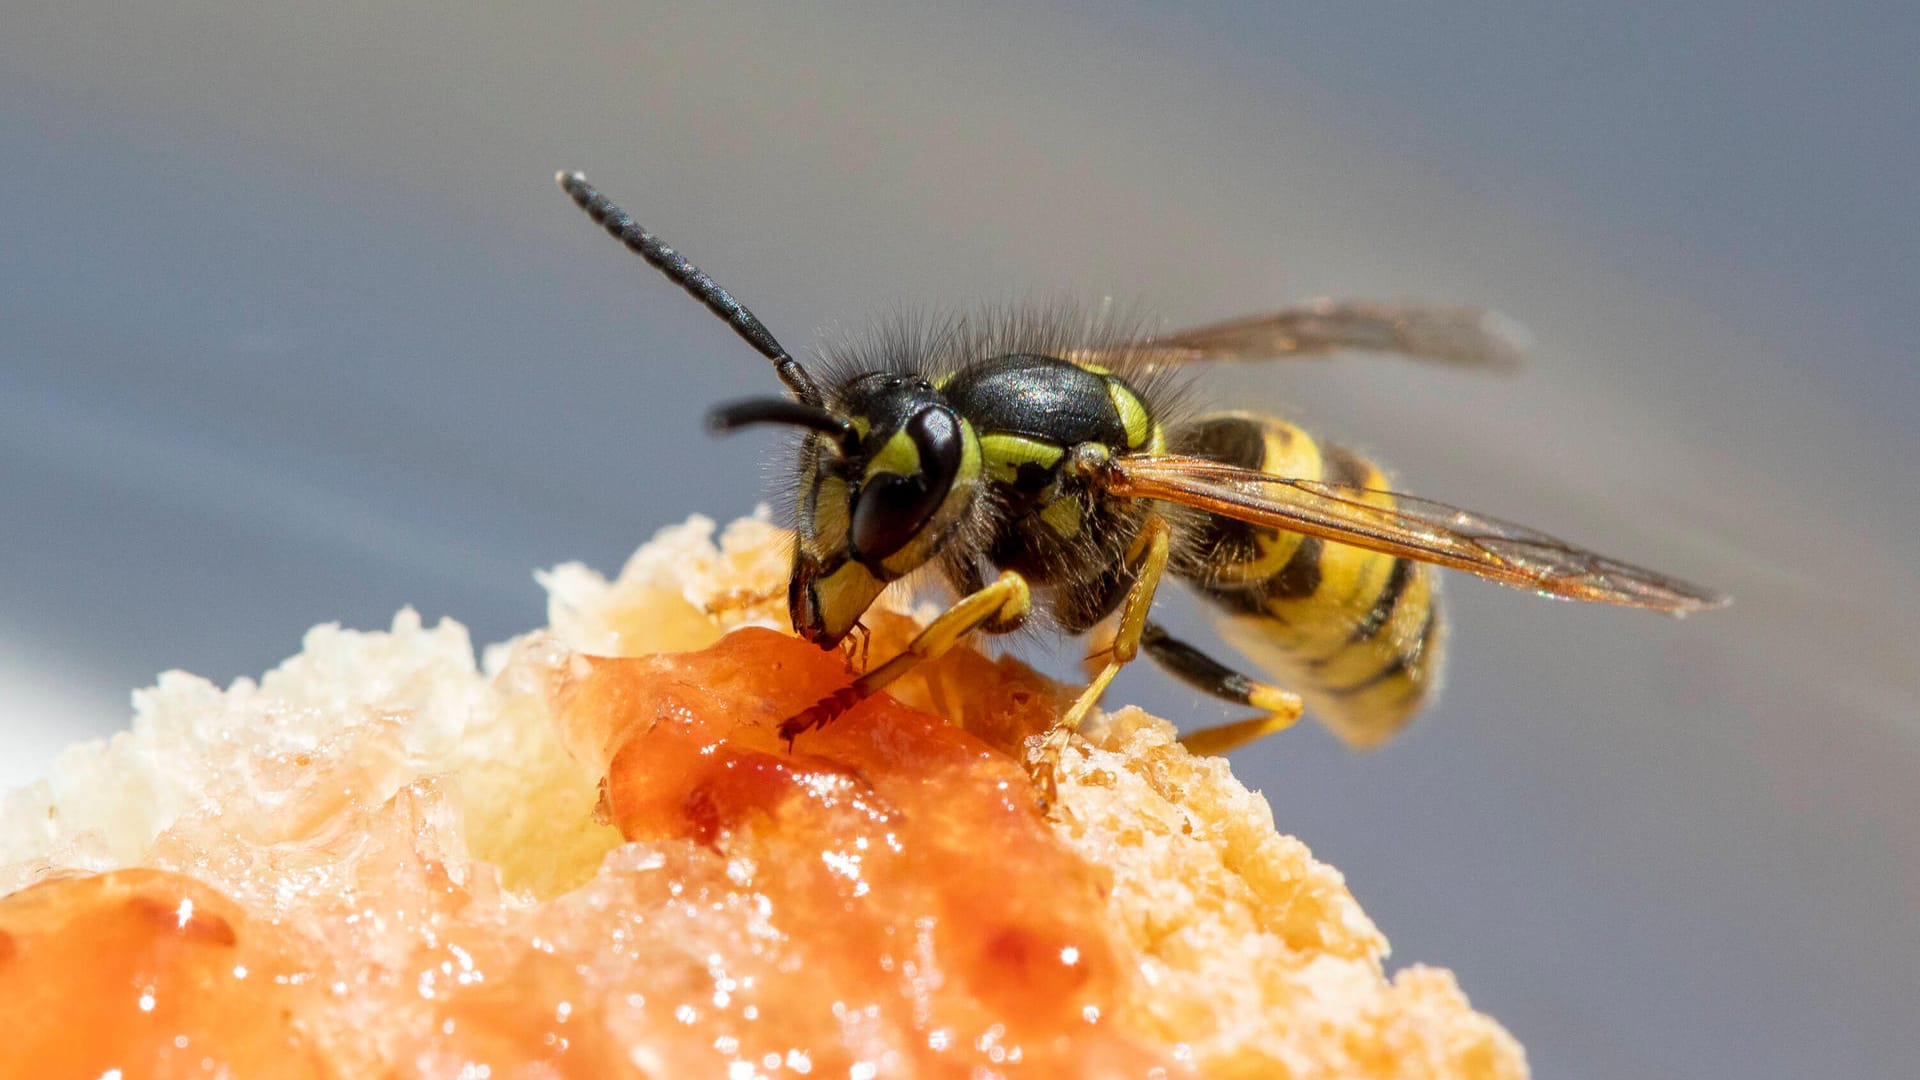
(294, 327)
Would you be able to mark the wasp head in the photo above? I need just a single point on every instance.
(886, 477)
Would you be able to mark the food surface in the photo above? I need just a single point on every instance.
(592, 855)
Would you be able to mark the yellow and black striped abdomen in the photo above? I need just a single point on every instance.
(1356, 633)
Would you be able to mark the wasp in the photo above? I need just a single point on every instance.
(1042, 468)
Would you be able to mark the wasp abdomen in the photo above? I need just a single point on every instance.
(1357, 633)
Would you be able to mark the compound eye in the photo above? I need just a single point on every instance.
(892, 509)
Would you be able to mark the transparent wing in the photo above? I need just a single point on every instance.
(1411, 528)
(1450, 333)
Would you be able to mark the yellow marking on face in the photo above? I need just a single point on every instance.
(1062, 515)
(1004, 454)
(966, 480)
(830, 524)
(803, 494)
(845, 595)
(1095, 368)
(899, 456)
(969, 473)
(1133, 415)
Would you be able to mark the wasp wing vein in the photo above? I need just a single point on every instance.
(1409, 527)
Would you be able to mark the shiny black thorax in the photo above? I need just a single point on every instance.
(1039, 397)
(1045, 401)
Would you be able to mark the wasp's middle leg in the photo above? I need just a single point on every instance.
(1149, 557)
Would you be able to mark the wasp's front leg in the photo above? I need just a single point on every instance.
(1006, 601)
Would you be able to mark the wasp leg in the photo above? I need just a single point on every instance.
(1209, 676)
(1150, 557)
(1006, 599)
(965, 579)
(858, 648)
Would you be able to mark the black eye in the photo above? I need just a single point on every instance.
(892, 509)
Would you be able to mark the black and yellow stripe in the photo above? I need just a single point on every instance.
(1358, 633)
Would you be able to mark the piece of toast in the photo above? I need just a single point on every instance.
(591, 855)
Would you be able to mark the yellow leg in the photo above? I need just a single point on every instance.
(1282, 709)
(1150, 558)
(1150, 554)
(1007, 600)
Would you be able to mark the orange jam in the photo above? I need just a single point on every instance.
(883, 900)
(145, 972)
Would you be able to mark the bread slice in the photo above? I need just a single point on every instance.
(591, 855)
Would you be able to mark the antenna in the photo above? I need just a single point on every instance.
(623, 228)
(731, 417)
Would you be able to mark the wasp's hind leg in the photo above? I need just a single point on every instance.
(1003, 603)
(1279, 707)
